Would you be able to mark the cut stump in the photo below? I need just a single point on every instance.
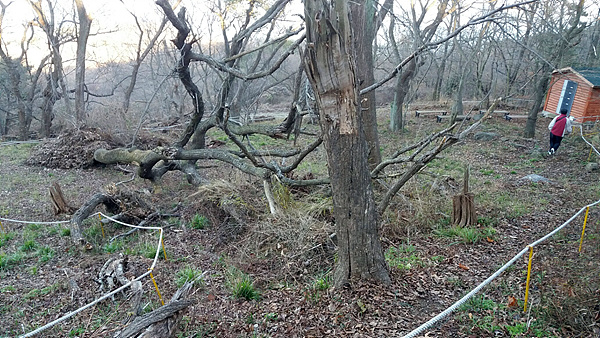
(59, 202)
(463, 211)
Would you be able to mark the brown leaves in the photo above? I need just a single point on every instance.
(512, 302)
(462, 266)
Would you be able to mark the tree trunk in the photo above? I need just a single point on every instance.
(400, 92)
(85, 22)
(363, 19)
(330, 69)
(541, 87)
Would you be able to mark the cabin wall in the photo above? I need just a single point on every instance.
(581, 110)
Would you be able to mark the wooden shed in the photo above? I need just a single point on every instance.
(585, 104)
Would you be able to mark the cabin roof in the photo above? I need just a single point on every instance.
(590, 75)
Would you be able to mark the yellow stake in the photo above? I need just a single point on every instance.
(157, 291)
(528, 278)
(101, 227)
(164, 251)
(1, 226)
(583, 231)
(590, 154)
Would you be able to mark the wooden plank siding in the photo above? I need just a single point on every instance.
(586, 104)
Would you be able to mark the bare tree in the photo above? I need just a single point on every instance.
(558, 32)
(85, 23)
(420, 36)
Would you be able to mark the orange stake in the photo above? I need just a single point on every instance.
(528, 278)
(587, 210)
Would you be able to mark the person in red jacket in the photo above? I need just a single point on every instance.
(559, 127)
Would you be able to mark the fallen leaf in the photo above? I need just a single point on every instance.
(211, 297)
(490, 240)
(464, 267)
(512, 301)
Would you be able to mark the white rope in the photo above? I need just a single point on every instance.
(586, 141)
(72, 313)
(30, 222)
(454, 306)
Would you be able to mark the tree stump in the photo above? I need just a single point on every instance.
(59, 203)
(463, 211)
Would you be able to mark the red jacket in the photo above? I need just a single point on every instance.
(560, 125)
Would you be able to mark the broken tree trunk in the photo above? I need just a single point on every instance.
(59, 203)
(163, 321)
(463, 211)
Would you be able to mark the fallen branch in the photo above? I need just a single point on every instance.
(161, 322)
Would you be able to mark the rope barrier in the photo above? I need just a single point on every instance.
(461, 301)
(149, 272)
(30, 222)
(586, 141)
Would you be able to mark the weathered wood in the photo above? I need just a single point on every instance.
(59, 203)
(87, 209)
(430, 112)
(463, 205)
(509, 117)
(447, 117)
(162, 322)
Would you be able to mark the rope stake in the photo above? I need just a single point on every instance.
(528, 278)
(162, 241)
(587, 210)
(101, 227)
(157, 290)
(1, 226)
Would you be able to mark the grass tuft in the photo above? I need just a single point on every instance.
(188, 274)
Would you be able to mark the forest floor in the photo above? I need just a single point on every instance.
(270, 276)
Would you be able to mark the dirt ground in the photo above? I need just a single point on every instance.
(429, 270)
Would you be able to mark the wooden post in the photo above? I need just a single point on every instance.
(463, 211)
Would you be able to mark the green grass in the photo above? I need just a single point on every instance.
(403, 257)
(8, 288)
(114, 246)
(147, 249)
(29, 245)
(45, 254)
(244, 288)
(188, 274)
(35, 293)
(7, 261)
(466, 234)
(199, 222)
(241, 285)
(5, 237)
(65, 232)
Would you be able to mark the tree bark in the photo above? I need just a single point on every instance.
(541, 87)
(363, 20)
(400, 92)
(331, 70)
(60, 204)
(87, 209)
(85, 22)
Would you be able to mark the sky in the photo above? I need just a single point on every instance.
(113, 25)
